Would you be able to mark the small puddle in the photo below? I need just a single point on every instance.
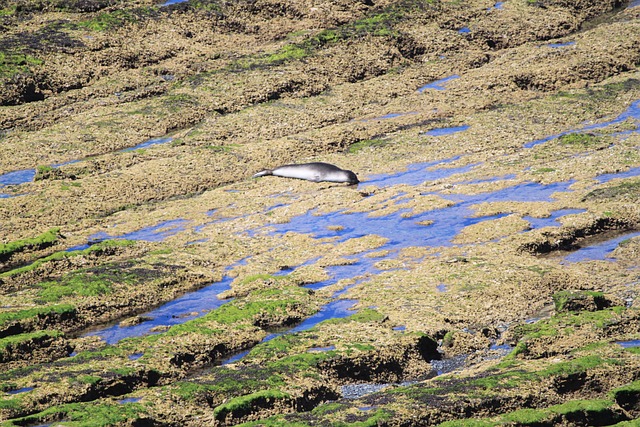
(559, 45)
(445, 131)
(599, 251)
(451, 364)
(21, 390)
(321, 349)
(355, 391)
(129, 400)
(552, 220)
(442, 288)
(464, 30)
(390, 116)
(498, 6)
(135, 356)
(438, 84)
(629, 344)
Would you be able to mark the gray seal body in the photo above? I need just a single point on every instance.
(316, 172)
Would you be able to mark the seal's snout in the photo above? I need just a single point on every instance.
(352, 178)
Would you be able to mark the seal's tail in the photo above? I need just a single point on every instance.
(263, 173)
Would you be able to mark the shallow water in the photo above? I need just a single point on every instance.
(438, 84)
(445, 131)
(558, 45)
(390, 116)
(552, 220)
(21, 390)
(129, 400)
(599, 251)
(633, 112)
(170, 2)
(146, 144)
(629, 344)
(321, 349)
(418, 173)
(336, 309)
(442, 288)
(153, 233)
(627, 174)
(17, 177)
(187, 307)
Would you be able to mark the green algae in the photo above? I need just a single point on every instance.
(377, 25)
(366, 143)
(245, 311)
(37, 312)
(81, 285)
(563, 323)
(11, 403)
(632, 388)
(93, 281)
(375, 418)
(13, 340)
(88, 379)
(564, 300)
(240, 405)
(581, 139)
(57, 256)
(92, 414)
(366, 315)
(12, 63)
(42, 241)
(573, 409)
(105, 21)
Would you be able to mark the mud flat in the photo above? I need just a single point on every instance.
(484, 271)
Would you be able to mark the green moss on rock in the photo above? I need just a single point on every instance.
(42, 241)
(243, 405)
(37, 313)
(92, 414)
(57, 256)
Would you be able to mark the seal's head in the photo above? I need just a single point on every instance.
(352, 179)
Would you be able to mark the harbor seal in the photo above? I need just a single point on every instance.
(316, 172)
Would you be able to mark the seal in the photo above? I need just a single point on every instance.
(316, 172)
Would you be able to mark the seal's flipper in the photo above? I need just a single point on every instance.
(263, 173)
